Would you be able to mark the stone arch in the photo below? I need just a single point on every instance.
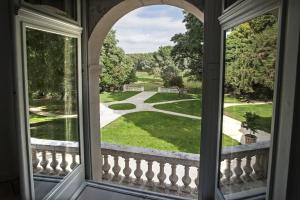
(107, 20)
(102, 16)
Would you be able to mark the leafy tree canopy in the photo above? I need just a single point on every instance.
(251, 57)
(117, 68)
(188, 49)
(164, 61)
(142, 61)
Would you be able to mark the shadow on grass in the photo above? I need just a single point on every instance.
(186, 107)
(157, 131)
(116, 96)
(65, 129)
(161, 131)
(264, 123)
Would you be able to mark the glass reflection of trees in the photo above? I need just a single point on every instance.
(52, 85)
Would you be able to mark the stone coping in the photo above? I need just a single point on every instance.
(149, 154)
(55, 145)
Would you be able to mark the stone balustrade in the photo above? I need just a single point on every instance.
(170, 90)
(133, 88)
(243, 167)
(177, 173)
(54, 158)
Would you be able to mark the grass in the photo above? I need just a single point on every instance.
(162, 97)
(157, 131)
(106, 97)
(264, 112)
(36, 119)
(185, 107)
(149, 82)
(193, 87)
(230, 99)
(122, 106)
(52, 105)
(57, 129)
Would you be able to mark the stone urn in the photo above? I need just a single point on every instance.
(250, 138)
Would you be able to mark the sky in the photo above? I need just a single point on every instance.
(146, 29)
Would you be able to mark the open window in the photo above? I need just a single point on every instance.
(50, 102)
(249, 89)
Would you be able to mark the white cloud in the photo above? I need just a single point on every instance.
(138, 34)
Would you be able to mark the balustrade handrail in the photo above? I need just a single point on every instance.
(239, 164)
(171, 157)
(55, 145)
(151, 154)
(178, 157)
(245, 149)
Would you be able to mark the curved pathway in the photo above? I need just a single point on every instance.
(231, 127)
(108, 115)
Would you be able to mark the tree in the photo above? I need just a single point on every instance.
(117, 68)
(188, 49)
(50, 59)
(164, 61)
(142, 61)
(251, 57)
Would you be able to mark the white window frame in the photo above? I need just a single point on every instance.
(239, 12)
(30, 19)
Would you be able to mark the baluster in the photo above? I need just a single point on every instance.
(63, 165)
(74, 163)
(150, 174)
(173, 178)
(127, 171)
(238, 171)
(264, 163)
(221, 175)
(257, 168)
(138, 172)
(54, 163)
(106, 168)
(247, 169)
(161, 175)
(186, 179)
(116, 169)
(227, 172)
(197, 181)
(44, 163)
(35, 161)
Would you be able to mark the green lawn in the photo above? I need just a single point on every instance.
(157, 131)
(56, 129)
(122, 106)
(35, 119)
(149, 82)
(53, 106)
(264, 111)
(193, 87)
(161, 97)
(230, 99)
(185, 107)
(106, 97)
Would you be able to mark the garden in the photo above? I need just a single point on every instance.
(165, 121)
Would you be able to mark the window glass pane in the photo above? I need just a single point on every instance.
(250, 60)
(229, 3)
(53, 107)
(65, 8)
